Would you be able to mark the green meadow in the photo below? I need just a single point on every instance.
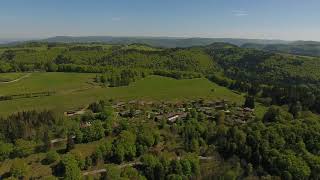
(39, 82)
(76, 90)
(5, 77)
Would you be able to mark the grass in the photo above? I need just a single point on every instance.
(39, 82)
(5, 77)
(37, 169)
(73, 91)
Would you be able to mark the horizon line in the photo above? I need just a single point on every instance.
(17, 39)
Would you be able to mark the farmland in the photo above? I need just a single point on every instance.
(75, 90)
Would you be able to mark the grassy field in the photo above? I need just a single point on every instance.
(5, 77)
(39, 82)
(75, 90)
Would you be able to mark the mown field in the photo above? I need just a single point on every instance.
(76, 90)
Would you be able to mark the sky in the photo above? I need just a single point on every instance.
(256, 19)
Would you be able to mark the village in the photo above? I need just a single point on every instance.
(173, 111)
(170, 112)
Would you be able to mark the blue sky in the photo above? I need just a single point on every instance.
(263, 19)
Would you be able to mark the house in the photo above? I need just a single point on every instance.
(158, 118)
(173, 117)
(132, 102)
(227, 111)
(85, 124)
(210, 103)
(246, 109)
(119, 104)
(220, 107)
(203, 109)
(124, 113)
(137, 112)
(182, 109)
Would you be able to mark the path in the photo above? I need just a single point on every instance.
(79, 112)
(94, 172)
(16, 80)
(98, 171)
(60, 140)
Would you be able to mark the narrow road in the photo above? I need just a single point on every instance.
(16, 80)
(94, 172)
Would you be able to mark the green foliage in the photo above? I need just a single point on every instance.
(24, 148)
(70, 143)
(276, 114)
(5, 150)
(145, 139)
(249, 102)
(26, 124)
(112, 172)
(97, 106)
(94, 132)
(299, 48)
(131, 173)
(295, 109)
(19, 169)
(282, 146)
(51, 157)
(154, 167)
(124, 147)
(71, 169)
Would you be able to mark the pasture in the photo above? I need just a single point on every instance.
(76, 90)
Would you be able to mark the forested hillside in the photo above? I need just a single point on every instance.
(51, 57)
(260, 66)
(305, 48)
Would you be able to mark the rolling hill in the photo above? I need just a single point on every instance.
(306, 48)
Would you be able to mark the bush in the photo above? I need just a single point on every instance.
(24, 148)
(71, 168)
(5, 150)
(51, 157)
(19, 169)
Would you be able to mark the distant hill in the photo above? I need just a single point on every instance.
(168, 42)
(306, 48)
(9, 41)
